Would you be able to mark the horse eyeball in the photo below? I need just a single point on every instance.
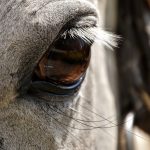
(65, 62)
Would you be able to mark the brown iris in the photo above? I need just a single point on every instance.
(65, 62)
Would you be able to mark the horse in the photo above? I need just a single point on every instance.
(58, 77)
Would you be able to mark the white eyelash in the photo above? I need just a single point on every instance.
(93, 34)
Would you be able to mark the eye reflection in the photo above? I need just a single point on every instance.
(65, 62)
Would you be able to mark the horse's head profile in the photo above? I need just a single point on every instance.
(45, 50)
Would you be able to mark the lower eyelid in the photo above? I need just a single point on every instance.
(45, 89)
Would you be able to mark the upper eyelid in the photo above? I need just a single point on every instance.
(83, 21)
(86, 28)
(76, 26)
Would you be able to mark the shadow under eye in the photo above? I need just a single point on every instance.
(62, 69)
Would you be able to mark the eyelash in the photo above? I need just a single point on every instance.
(93, 34)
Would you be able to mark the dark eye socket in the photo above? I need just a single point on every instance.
(62, 68)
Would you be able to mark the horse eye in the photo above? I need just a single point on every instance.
(63, 65)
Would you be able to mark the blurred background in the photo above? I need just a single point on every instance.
(133, 61)
(131, 20)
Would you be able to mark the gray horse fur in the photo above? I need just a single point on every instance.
(27, 29)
